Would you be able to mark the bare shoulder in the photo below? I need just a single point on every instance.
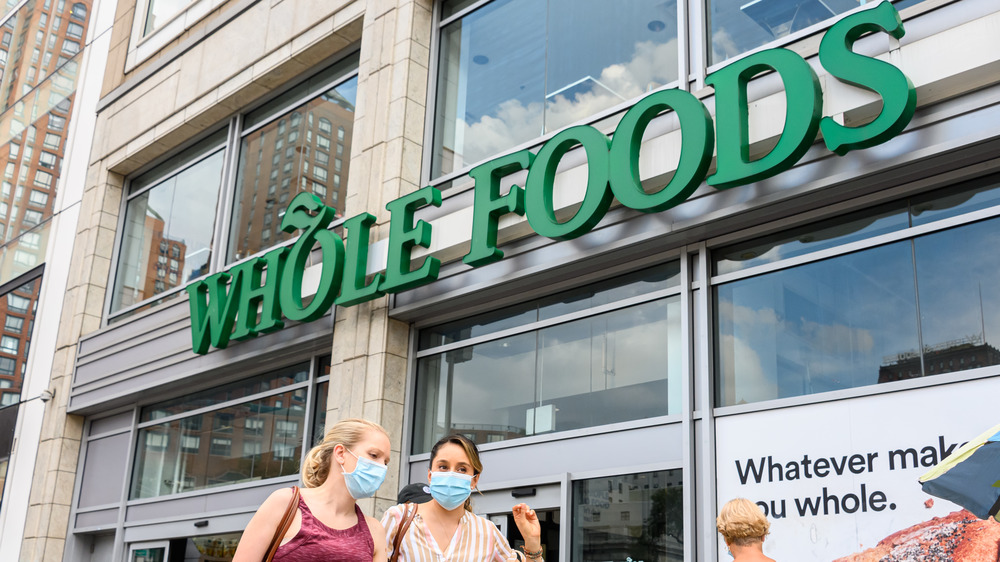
(375, 525)
(277, 502)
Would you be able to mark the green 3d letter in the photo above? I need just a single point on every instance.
(696, 151)
(212, 321)
(254, 295)
(802, 114)
(403, 236)
(899, 98)
(489, 205)
(538, 188)
(331, 248)
(354, 290)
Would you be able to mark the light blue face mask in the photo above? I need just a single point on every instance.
(366, 478)
(450, 489)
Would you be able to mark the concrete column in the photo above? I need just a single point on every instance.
(368, 368)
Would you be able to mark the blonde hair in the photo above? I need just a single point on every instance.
(348, 433)
(471, 451)
(742, 523)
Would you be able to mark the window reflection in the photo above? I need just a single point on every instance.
(516, 69)
(823, 326)
(250, 441)
(618, 366)
(630, 517)
(167, 238)
(287, 156)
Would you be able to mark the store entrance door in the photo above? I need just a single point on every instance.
(496, 506)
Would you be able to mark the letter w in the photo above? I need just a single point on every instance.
(212, 321)
(757, 470)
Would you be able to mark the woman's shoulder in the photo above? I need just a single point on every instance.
(395, 512)
(279, 498)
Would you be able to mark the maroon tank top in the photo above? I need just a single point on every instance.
(315, 542)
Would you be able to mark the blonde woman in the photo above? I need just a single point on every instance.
(445, 527)
(348, 465)
(743, 526)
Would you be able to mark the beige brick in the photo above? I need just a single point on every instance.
(279, 25)
(69, 452)
(412, 159)
(413, 128)
(90, 324)
(373, 377)
(394, 378)
(392, 163)
(388, 38)
(398, 338)
(64, 482)
(54, 548)
(58, 525)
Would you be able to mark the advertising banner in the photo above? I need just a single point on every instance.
(839, 479)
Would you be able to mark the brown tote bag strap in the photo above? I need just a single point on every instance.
(397, 541)
(286, 522)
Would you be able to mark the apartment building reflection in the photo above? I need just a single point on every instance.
(960, 354)
(305, 150)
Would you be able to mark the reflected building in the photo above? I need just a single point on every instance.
(165, 266)
(956, 355)
(307, 151)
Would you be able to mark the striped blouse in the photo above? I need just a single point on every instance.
(477, 539)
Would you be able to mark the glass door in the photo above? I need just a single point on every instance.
(496, 506)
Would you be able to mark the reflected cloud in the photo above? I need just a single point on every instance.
(652, 65)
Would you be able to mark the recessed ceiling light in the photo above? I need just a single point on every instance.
(480, 59)
(656, 25)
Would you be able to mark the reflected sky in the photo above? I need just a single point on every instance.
(617, 366)
(823, 326)
(833, 324)
(516, 69)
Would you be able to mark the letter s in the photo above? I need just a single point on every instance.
(899, 99)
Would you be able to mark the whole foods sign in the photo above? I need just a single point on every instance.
(255, 296)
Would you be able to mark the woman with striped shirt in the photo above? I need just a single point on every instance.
(445, 528)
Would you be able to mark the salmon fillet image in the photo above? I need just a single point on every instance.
(959, 537)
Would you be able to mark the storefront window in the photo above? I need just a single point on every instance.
(631, 517)
(907, 309)
(252, 436)
(738, 26)
(513, 70)
(284, 152)
(170, 213)
(586, 371)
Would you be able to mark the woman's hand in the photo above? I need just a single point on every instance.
(527, 522)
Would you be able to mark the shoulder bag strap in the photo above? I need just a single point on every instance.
(410, 511)
(283, 526)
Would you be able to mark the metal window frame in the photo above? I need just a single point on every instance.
(232, 145)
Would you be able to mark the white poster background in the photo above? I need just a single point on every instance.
(871, 427)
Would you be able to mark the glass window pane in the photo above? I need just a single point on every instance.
(195, 453)
(630, 517)
(618, 366)
(811, 238)
(491, 84)
(159, 12)
(609, 368)
(234, 391)
(959, 301)
(946, 203)
(611, 290)
(516, 69)
(176, 218)
(484, 390)
(738, 26)
(262, 166)
(823, 326)
(17, 313)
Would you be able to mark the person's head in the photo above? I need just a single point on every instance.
(455, 454)
(741, 523)
(344, 443)
(415, 493)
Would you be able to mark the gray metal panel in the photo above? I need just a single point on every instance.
(104, 470)
(97, 520)
(946, 136)
(635, 447)
(217, 525)
(132, 361)
(201, 506)
(118, 422)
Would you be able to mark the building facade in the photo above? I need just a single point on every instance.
(650, 256)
